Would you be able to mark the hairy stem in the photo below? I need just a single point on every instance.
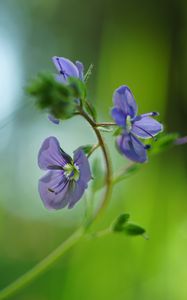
(48, 261)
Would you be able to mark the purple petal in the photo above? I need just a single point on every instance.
(81, 161)
(118, 116)
(132, 148)
(76, 193)
(77, 188)
(65, 67)
(51, 155)
(124, 101)
(146, 127)
(53, 119)
(80, 68)
(53, 188)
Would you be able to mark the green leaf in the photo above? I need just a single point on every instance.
(164, 142)
(133, 229)
(122, 225)
(98, 175)
(78, 88)
(118, 131)
(119, 223)
(128, 172)
(90, 109)
(88, 73)
(87, 148)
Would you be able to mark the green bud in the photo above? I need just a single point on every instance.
(52, 96)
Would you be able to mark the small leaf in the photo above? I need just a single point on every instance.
(133, 229)
(164, 142)
(105, 129)
(87, 148)
(127, 173)
(88, 73)
(90, 110)
(98, 175)
(118, 131)
(119, 223)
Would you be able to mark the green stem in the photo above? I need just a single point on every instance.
(108, 176)
(48, 261)
(103, 124)
(42, 266)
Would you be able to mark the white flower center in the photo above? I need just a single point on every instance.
(71, 171)
(128, 124)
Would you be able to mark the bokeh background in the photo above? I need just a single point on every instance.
(142, 44)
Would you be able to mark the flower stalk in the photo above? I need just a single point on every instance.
(54, 256)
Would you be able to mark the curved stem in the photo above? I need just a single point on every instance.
(48, 261)
(108, 177)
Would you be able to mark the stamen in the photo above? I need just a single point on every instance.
(147, 147)
(152, 114)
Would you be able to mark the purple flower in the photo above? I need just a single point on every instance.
(66, 179)
(133, 127)
(66, 69)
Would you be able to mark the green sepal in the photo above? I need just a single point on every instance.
(78, 88)
(90, 109)
(87, 148)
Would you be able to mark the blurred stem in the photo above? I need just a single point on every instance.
(54, 256)
(43, 265)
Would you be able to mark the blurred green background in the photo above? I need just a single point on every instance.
(142, 44)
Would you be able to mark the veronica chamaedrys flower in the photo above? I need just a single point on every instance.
(133, 127)
(66, 179)
(66, 68)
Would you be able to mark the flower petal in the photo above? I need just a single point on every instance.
(118, 116)
(132, 148)
(65, 67)
(124, 101)
(76, 188)
(81, 160)
(53, 119)
(76, 193)
(51, 155)
(80, 68)
(53, 188)
(146, 127)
